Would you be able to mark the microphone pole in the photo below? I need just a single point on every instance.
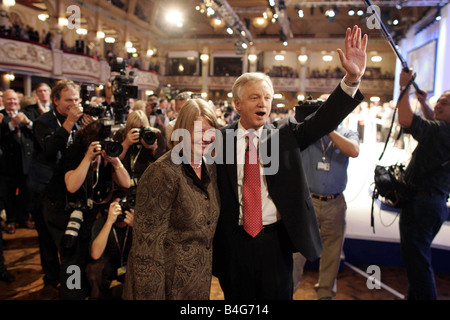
(388, 37)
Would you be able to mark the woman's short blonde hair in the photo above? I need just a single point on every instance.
(192, 109)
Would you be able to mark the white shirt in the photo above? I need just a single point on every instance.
(270, 213)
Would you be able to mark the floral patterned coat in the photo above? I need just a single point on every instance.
(174, 223)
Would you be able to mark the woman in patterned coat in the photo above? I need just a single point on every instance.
(176, 212)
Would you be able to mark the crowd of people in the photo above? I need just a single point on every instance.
(184, 189)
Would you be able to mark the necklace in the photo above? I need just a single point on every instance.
(196, 166)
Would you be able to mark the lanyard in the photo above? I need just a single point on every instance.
(121, 250)
(324, 151)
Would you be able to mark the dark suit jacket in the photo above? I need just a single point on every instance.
(17, 152)
(288, 187)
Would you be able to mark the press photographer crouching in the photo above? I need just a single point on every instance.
(81, 187)
(140, 145)
(110, 244)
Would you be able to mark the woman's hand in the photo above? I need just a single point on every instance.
(93, 150)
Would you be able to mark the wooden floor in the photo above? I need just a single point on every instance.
(22, 259)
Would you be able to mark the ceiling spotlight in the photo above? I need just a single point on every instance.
(230, 31)
(351, 12)
(300, 13)
(395, 22)
(438, 15)
(360, 12)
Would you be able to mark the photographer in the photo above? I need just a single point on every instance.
(82, 184)
(53, 132)
(110, 245)
(140, 145)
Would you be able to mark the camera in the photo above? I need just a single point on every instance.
(122, 89)
(126, 204)
(307, 108)
(87, 92)
(148, 135)
(95, 111)
(112, 148)
(74, 224)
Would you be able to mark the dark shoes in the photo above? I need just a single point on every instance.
(10, 228)
(49, 292)
(6, 276)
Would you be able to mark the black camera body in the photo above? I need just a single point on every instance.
(112, 148)
(147, 135)
(307, 108)
(122, 90)
(126, 204)
(95, 111)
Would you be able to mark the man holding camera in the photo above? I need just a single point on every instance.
(53, 132)
(111, 243)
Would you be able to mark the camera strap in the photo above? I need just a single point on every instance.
(121, 249)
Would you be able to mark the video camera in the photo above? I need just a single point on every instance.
(122, 90)
(307, 108)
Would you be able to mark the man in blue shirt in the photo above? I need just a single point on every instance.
(325, 164)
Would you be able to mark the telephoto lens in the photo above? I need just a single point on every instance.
(73, 227)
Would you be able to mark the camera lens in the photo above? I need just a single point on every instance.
(112, 148)
(148, 135)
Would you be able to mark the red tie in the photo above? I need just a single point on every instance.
(252, 190)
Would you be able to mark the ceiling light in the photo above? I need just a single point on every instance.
(376, 59)
(252, 57)
(63, 21)
(128, 44)
(300, 13)
(43, 16)
(360, 12)
(351, 12)
(327, 58)
(395, 22)
(279, 57)
(278, 96)
(375, 99)
(100, 34)
(438, 15)
(110, 40)
(204, 57)
(230, 31)
(302, 58)
(131, 50)
(150, 52)
(81, 31)
(244, 45)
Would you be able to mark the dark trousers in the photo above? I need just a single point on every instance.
(73, 261)
(47, 248)
(100, 274)
(261, 267)
(17, 197)
(420, 221)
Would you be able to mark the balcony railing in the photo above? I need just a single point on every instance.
(31, 58)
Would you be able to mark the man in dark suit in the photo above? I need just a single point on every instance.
(42, 104)
(17, 145)
(257, 264)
